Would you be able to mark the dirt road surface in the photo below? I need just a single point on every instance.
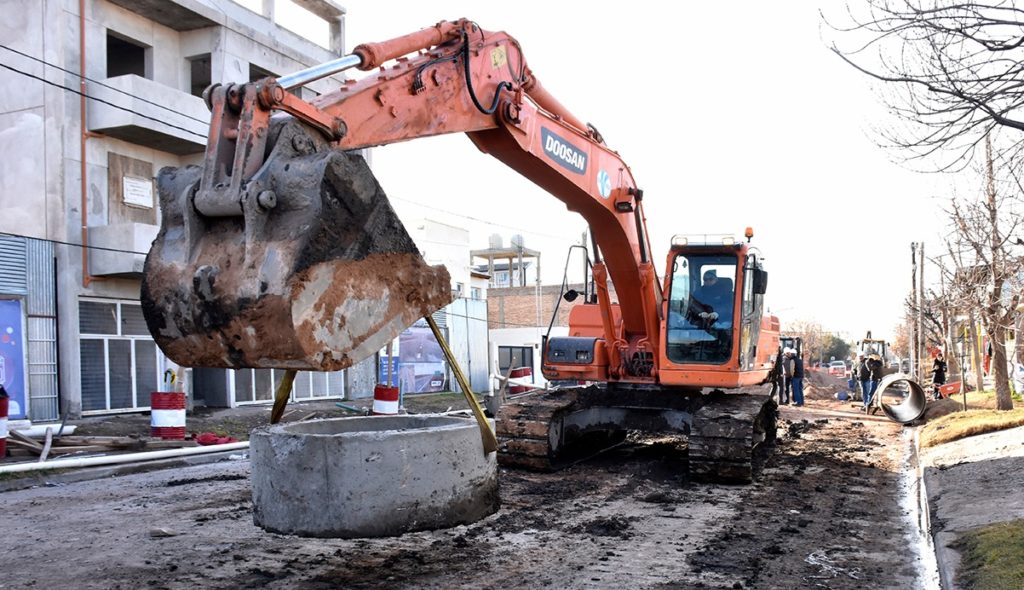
(823, 514)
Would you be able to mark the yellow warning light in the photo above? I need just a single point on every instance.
(748, 233)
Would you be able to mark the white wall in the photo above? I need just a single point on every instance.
(445, 244)
(523, 337)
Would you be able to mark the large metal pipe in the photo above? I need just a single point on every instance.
(912, 398)
(314, 73)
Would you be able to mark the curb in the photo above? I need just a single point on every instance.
(943, 570)
(52, 478)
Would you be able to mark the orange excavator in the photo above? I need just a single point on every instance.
(282, 251)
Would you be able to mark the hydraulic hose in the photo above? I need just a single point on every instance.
(504, 85)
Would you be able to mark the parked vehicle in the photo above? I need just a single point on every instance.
(837, 368)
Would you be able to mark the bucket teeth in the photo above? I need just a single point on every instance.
(316, 273)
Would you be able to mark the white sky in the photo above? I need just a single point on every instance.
(729, 116)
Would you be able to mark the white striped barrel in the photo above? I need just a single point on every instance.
(167, 411)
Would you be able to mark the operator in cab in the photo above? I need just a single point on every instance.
(713, 299)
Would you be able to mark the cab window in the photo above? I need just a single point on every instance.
(700, 308)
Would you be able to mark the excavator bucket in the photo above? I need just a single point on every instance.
(308, 268)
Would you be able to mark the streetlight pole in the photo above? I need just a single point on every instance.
(920, 314)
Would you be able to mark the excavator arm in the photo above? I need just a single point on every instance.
(282, 251)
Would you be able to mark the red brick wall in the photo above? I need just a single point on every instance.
(516, 307)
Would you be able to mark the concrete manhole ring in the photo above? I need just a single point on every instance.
(373, 476)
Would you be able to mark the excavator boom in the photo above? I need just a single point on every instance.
(283, 251)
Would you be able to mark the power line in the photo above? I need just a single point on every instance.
(119, 107)
(99, 83)
(120, 251)
(139, 98)
(73, 244)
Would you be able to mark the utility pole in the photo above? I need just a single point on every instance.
(920, 315)
(915, 307)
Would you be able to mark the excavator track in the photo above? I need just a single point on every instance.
(529, 430)
(725, 430)
(726, 434)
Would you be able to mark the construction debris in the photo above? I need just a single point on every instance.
(26, 446)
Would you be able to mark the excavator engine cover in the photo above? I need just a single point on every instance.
(307, 268)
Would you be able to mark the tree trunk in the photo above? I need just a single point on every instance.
(952, 361)
(976, 360)
(1019, 352)
(992, 312)
(1003, 399)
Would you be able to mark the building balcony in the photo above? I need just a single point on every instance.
(152, 115)
(119, 250)
(180, 15)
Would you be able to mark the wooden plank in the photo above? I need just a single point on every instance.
(168, 444)
(33, 447)
(15, 435)
(46, 445)
(90, 449)
(99, 440)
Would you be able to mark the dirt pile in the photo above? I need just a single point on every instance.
(820, 385)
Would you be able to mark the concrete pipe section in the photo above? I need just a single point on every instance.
(900, 398)
(374, 476)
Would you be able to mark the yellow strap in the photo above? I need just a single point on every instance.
(284, 391)
(486, 434)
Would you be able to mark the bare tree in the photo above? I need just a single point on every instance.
(951, 70)
(983, 271)
(901, 339)
(931, 315)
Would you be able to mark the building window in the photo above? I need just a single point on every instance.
(515, 357)
(475, 293)
(257, 73)
(501, 278)
(253, 386)
(120, 362)
(200, 74)
(459, 288)
(125, 56)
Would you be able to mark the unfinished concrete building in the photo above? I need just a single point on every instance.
(99, 96)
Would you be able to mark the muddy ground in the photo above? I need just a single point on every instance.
(823, 514)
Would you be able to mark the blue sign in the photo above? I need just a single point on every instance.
(383, 367)
(12, 357)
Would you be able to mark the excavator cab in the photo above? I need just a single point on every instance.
(793, 342)
(714, 306)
